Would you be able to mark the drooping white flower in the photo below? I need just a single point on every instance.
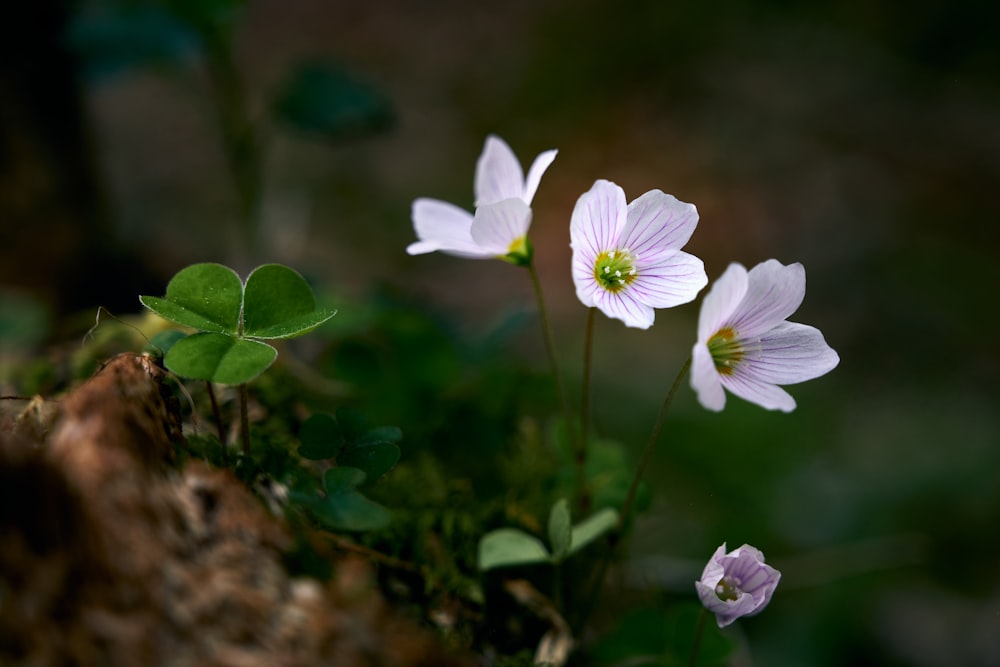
(736, 584)
(500, 225)
(746, 345)
(627, 259)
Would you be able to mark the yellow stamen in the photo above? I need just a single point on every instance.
(726, 350)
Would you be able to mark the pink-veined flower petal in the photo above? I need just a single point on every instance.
(675, 279)
(790, 353)
(713, 568)
(657, 225)
(721, 301)
(750, 388)
(498, 173)
(583, 278)
(598, 218)
(443, 227)
(496, 226)
(705, 379)
(726, 611)
(625, 307)
(774, 292)
(535, 172)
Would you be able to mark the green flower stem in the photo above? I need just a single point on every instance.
(598, 584)
(654, 435)
(614, 539)
(557, 587)
(244, 420)
(217, 416)
(550, 348)
(588, 348)
(698, 632)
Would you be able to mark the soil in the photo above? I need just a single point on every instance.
(116, 554)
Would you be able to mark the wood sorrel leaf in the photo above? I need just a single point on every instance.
(206, 296)
(375, 459)
(320, 437)
(509, 546)
(560, 533)
(379, 434)
(161, 343)
(344, 508)
(350, 511)
(278, 303)
(342, 479)
(353, 425)
(591, 528)
(216, 357)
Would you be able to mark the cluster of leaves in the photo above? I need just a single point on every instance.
(336, 457)
(505, 547)
(361, 454)
(232, 319)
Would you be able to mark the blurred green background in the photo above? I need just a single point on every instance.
(861, 139)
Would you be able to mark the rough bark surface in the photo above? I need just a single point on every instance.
(114, 556)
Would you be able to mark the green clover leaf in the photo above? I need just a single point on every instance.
(276, 302)
(344, 508)
(207, 297)
(351, 439)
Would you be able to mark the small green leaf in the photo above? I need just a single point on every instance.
(278, 303)
(161, 343)
(509, 546)
(375, 459)
(216, 357)
(591, 528)
(350, 511)
(380, 434)
(353, 424)
(560, 534)
(342, 479)
(207, 297)
(320, 437)
(344, 508)
(294, 327)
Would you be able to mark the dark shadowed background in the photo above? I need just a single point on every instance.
(861, 139)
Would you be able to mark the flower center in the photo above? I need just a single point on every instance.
(614, 269)
(726, 350)
(728, 588)
(520, 251)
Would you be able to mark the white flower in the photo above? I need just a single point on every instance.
(746, 346)
(736, 584)
(500, 225)
(627, 260)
